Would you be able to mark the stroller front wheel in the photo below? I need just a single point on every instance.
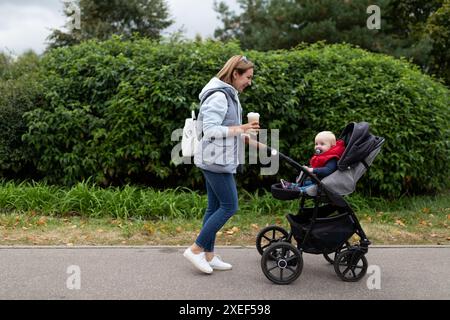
(282, 263)
(270, 235)
(350, 265)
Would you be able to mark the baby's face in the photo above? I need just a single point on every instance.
(322, 144)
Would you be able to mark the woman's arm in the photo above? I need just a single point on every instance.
(213, 115)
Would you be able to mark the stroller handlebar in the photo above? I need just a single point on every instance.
(294, 164)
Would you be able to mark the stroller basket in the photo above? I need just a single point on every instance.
(326, 235)
(284, 194)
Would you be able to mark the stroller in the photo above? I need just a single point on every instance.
(327, 227)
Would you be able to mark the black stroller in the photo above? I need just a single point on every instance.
(327, 227)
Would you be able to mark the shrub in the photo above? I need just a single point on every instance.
(20, 91)
(110, 108)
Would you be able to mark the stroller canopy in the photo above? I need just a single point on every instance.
(359, 143)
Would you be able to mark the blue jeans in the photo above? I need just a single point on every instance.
(222, 204)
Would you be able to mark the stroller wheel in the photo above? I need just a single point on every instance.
(282, 263)
(350, 265)
(330, 257)
(270, 235)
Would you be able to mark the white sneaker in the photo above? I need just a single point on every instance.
(217, 264)
(198, 260)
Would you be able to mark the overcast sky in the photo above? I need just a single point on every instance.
(25, 24)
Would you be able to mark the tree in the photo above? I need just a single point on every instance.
(266, 24)
(415, 29)
(102, 18)
(438, 30)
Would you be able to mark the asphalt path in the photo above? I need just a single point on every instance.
(162, 273)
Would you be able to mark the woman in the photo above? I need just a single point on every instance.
(220, 119)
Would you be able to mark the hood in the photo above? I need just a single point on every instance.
(216, 83)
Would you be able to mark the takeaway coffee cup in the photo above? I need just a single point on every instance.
(252, 117)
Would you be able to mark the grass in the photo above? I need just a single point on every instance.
(38, 214)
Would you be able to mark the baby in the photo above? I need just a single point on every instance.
(324, 162)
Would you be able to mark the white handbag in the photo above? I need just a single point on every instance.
(189, 141)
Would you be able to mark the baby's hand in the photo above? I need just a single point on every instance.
(308, 168)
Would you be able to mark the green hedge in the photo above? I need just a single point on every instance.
(20, 91)
(110, 109)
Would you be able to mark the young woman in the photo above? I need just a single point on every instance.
(220, 118)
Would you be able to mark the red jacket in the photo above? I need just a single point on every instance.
(319, 160)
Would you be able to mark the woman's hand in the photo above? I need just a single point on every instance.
(237, 130)
(250, 126)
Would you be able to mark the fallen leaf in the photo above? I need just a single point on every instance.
(229, 232)
(433, 235)
(399, 223)
(149, 229)
(69, 244)
(423, 222)
(219, 233)
(235, 229)
(100, 230)
(254, 226)
(42, 221)
(179, 229)
(426, 210)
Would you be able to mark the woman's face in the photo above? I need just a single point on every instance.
(242, 81)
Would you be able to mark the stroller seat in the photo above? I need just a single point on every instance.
(361, 150)
(343, 182)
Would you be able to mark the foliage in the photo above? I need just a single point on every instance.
(265, 24)
(438, 30)
(102, 18)
(415, 29)
(85, 200)
(20, 92)
(111, 107)
(327, 87)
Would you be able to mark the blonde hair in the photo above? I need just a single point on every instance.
(328, 136)
(239, 63)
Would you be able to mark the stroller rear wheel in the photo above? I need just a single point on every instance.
(282, 263)
(350, 265)
(270, 235)
(330, 258)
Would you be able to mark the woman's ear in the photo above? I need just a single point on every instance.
(234, 74)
